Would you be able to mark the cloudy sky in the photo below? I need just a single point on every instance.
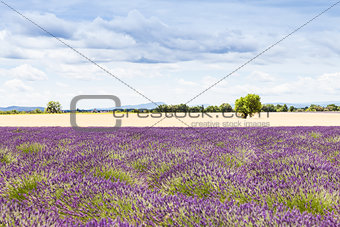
(169, 51)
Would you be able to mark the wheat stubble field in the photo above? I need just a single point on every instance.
(132, 120)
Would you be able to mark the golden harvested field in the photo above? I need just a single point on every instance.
(213, 120)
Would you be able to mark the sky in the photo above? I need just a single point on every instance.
(169, 51)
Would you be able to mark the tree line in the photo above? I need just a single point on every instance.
(311, 108)
(247, 106)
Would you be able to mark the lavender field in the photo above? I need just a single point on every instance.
(170, 177)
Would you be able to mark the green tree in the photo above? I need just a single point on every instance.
(212, 109)
(36, 111)
(248, 105)
(14, 112)
(195, 109)
(331, 107)
(53, 107)
(162, 108)
(226, 107)
(278, 108)
(314, 107)
(292, 109)
(181, 108)
(268, 108)
(283, 108)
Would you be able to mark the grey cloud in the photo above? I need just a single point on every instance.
(56, 26)
(138, 32)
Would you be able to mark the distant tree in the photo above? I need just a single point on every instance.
(181, 108)
(195, 109)
(14, 112)
(134, 111)
(212, 109)
(248, 105)
(292, 109)
(226, 107)
(314, 107)
(162, 108)
(53, 107)
(332, 107)
(283, 108)
(268, 108)
(278, 107)
(36, 111)
(172, 108)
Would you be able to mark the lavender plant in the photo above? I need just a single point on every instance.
(285, 176)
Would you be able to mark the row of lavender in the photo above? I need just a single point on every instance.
(170, 176)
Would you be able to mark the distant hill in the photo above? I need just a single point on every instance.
(148, 106)
(21, 108)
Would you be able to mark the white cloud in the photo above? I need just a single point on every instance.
(329, 82)
(62, 85)
(326, 84)
(25, 72)
(261, 77)
(79, 71)
(138, 25)
(187, 89)
(99, 38)
(186, 82)
(17, 86)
